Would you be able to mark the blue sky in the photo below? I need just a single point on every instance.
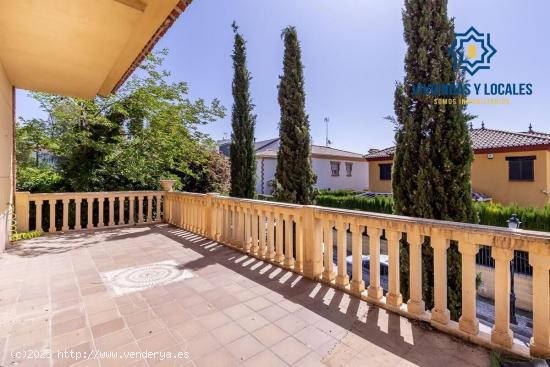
(353, 53)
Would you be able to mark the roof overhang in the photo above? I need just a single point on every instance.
(80, 48)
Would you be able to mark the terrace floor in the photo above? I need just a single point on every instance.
(151, 289)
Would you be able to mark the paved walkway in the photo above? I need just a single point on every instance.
(108, 297)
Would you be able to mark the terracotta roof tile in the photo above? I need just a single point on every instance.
(486, 140)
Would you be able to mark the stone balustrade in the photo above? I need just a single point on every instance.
(300, 238)
(86, 210)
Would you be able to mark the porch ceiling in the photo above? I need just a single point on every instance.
(79, 48)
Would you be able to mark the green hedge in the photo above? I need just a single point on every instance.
(378, 204)
(536, 219)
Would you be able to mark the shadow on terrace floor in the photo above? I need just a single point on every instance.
(356, 321)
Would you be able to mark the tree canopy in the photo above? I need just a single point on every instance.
(129, 140)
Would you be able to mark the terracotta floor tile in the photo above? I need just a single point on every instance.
(290, 350)
(202, 345)
(245, 347)
(64, 341)
(220, 357)
(265, 359)
(107, 327)
(252, 322)
(114, 340)
(157, 342)
(270, 335)
(214, 320)
(67, 326)
(228, 333)
(147, 328)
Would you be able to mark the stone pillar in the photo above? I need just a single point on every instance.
(77, 214)
(247, 243)
(90, 206)
(342, 280)
(121, 200)
(299, 264)
(111, 200)
(261, 234)
(22, 211)
(7, 184)
(415, 305)
(540, 342)
(131, 210)
(440, 312)
(52, 203)
(375, 291)
(328, 273)
(211, 215)
(65, 215)
(468, 321)
(149, 209)
(312, 232)
(101, 221)
(501, 333)
(289, 252)
(270, 237)
(38, 204)
(393, 297)
(357, 285)
(279, 257)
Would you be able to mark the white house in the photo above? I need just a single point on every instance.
(335, 169)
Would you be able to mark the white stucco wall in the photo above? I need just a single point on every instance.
(358, 181)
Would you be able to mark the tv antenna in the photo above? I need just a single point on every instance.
(327, 141)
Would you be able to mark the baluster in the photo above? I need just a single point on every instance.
(468, 321)
(374, 291)
(415, 305)
(78, 216)
(234, 226)
(279, 240)
(328, 273)
(357, 283)
(38, 204)
(393, 297)
(227, 224)
(65, 215)
(540, 342)
(149, 209)
(440, 312)
(342, 280)
(90, 208)
(299, 264)
(111, 201)
(140, 209)
(240, 226)
(289, 249)
(261, 233)
(101, 202)
(270, 236)
(157, 201)
(501, 333)
(131, 209)
(121, 200)
(247, 229)
(254, 222)
(52, 203)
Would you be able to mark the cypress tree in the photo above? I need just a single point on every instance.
(431, 176)
(294, 177)
(242, 154)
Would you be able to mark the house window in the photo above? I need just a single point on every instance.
(335, 168)
(385, 171)
(349, 167)
(521, 168)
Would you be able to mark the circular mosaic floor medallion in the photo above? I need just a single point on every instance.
(146, 276)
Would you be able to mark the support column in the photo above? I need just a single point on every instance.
(342, 280)
(279, 256)
(38, 204)
(415, 305)
(328, 242)
(540, 342)
(65, 215)
(375, 291)
(52, 203)
(440, 312)
(357, 283)
(22, 211)
(78, 215)
(468, 322)
(312, 232)
(393, 297)
(501, 333)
